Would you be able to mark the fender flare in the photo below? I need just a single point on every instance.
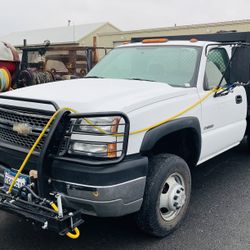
(154, 135)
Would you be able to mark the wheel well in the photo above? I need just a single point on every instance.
(184, 143)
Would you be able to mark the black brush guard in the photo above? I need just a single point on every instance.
(36, 211)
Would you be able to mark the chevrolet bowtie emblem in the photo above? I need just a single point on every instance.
(22, 128)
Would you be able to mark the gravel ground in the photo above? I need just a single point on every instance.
(218, 218)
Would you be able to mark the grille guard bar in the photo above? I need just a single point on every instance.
(53, 139)
(14, 98)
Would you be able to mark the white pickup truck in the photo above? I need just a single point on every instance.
(145, 115)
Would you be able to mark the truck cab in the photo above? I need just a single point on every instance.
(126, 136)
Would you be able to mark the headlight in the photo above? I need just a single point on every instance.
(100, 125)
(97, 137)
(82, 147)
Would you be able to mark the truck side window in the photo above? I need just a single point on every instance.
(217, 61)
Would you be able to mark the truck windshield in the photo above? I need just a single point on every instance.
(174, 65)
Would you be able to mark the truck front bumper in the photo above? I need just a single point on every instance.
(108, 191)
(104, 191)
(104, 201)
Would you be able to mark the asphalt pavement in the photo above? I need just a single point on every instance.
(218, 217)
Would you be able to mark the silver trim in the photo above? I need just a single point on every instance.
(89, 186)
(96, 201)
(91, 201)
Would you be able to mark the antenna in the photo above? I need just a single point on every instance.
(74, 33)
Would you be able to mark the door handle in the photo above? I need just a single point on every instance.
(238, 99)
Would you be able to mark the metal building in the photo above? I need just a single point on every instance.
(116, 38)
(78, 34)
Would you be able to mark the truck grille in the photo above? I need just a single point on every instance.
(13, 138)
(9, 117)
(12, 116)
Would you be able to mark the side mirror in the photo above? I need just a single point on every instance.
(229, 88)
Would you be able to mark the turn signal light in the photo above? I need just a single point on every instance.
(193, 40)
(155, 40)
(112, 150)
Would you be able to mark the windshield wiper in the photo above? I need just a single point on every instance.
(93, 77)
(140, 79)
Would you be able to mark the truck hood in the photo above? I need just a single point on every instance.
(95, 95)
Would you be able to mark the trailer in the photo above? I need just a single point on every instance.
(55, 62)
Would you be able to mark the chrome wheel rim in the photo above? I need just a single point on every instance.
(172, 197)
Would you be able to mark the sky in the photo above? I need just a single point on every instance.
(17, 15)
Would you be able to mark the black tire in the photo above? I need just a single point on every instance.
(150, 217)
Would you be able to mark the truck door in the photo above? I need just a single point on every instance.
(224, 117)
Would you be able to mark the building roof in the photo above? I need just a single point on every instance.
(181, 27)
(66, 34)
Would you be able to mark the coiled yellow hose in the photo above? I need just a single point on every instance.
(5, 79)
(76, 230)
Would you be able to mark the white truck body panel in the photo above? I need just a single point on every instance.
(223, 123)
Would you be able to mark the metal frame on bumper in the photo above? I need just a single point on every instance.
(39, 213)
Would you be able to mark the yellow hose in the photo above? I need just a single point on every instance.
(53, 205)
(34, 146)
(176, 115)
(161, 122)
(76, 230)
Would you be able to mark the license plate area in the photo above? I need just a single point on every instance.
(22, 180)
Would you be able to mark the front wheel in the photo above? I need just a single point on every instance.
(166, 197)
